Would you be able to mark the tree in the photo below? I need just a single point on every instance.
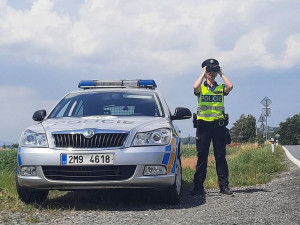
(16, 145)
(188, 140)
(289, 131)
(244, 129)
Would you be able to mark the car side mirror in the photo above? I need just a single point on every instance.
(39, 115)
(181, 113)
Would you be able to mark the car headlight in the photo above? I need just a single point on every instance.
(155, 137)
(32, 139)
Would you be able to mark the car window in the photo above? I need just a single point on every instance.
(108, 103)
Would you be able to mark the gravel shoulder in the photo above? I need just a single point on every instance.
(274, 203)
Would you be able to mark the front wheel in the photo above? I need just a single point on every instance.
(28, 195)
(173, 194)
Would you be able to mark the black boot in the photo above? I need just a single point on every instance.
(198, 191)
(225, 190)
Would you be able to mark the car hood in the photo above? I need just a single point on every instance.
(105, 123)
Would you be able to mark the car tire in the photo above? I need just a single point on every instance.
(173, 194)
(28, 195)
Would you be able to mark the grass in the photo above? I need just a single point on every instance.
(8, 160)
(248, 165)
(8, 193)
(256, 166)
(190, 151)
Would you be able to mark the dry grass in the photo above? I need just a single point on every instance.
(191, 162)
(234, 145)
(250, 146)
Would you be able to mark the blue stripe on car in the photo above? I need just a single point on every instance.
(174, 166)
(166, 158)
(19, 160)
(168, 148)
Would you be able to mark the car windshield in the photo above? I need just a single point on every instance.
(108, 103)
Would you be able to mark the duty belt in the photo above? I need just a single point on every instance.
(205, 107)
(219, 122)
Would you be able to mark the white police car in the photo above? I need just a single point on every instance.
(110, 134)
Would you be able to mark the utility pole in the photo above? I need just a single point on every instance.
(266, 112)
(262, 119)
(256, 135)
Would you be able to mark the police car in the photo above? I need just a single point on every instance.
(109, 134)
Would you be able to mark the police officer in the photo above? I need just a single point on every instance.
(211, 125)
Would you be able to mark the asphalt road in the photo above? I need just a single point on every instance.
(294, 150)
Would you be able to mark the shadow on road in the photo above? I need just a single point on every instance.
(130, 199)
(251, 190)
(119, 200)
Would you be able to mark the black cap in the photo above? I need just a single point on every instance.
(212, 62)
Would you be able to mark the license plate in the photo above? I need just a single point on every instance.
(87, 159)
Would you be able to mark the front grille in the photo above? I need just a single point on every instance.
(88, 173)
(101, 140)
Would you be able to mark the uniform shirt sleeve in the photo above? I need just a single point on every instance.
(225, 94)
(197, 94)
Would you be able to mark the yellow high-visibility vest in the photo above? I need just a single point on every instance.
(211, 104)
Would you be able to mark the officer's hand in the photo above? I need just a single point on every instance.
(220, 72)
(204, 70)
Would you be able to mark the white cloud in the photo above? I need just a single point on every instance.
(167, 36)
(249, 50)
(39, 25)
(292, 52)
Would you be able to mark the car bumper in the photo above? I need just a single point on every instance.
(136, 156)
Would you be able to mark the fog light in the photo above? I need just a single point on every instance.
(155, 170)
(28, 171)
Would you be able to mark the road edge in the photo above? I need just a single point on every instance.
(291, 157)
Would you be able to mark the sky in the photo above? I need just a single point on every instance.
(48, 46)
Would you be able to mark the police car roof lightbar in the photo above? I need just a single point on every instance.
(86, 84)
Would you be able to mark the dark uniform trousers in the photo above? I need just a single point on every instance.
(207, 132)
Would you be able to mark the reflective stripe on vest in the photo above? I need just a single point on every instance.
(205, 107)
(210, 115)
(211, 104)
